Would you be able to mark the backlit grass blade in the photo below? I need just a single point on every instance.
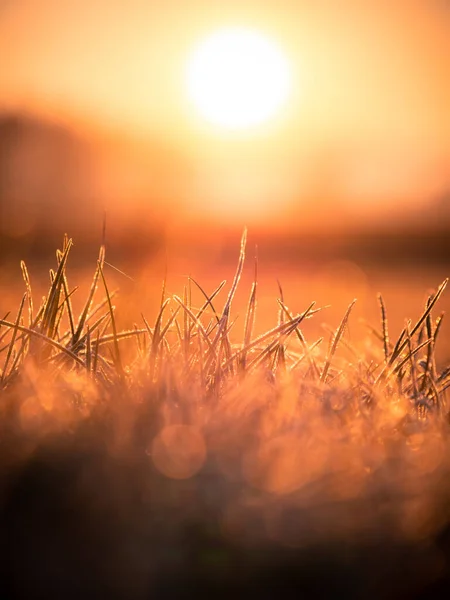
(195, 320)
(52, 305)
(430, 364)
(409, 356)
(335, 342)
(209, 299)
(44, 338)
(384, 327)
(92, 290)
(6, 332)
(117, 356)
(401, 346)
(156, 339)
(412, 364)
(88, 351)
(307, 354)
(249, 322)
(226, 311)
(68, 301)
(13, 338)
(286, 328)
(26, 278)
(309, 311)
(95, 355)
(279, 358)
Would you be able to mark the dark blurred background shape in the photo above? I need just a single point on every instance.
(46, 178)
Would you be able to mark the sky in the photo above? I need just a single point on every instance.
(367, 122)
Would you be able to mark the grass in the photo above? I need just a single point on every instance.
(270, 440)
(195, 342)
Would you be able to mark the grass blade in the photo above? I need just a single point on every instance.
(13, 338)
(335, 342)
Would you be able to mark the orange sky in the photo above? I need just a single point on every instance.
(369, 117)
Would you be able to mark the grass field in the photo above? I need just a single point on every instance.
(190, 453)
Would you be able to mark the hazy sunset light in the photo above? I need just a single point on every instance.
(224, 299)
(264, 107)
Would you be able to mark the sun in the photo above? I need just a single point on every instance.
(238, 78)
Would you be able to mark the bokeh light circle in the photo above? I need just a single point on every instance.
(178, 451)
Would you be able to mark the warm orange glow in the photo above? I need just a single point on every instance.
(362, 133)
(237, 78)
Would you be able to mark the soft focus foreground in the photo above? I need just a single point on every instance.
(184, 455)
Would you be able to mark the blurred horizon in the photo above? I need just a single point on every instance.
(58, 179)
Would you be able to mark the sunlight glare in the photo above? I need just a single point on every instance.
(238, 78)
